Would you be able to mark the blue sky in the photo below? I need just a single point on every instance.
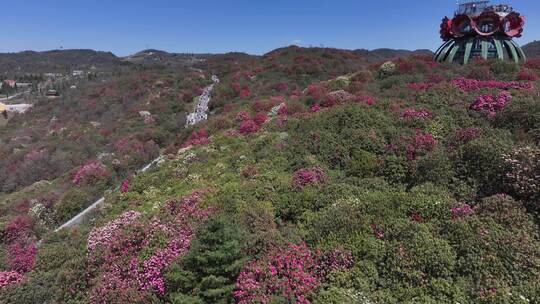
(252, 26)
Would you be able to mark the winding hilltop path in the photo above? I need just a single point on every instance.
(201, 109)
(199, 114)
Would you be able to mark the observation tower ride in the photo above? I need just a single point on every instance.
(481, 30)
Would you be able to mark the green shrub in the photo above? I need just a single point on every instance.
(208, 271)
(482, 161)
(362, 164)
(73, 202)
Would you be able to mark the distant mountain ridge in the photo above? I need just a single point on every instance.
(65, 61)
(532, 49)
(153, 56)
(387, 54)
(56, 61)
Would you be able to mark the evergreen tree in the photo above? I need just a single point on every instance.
(208, 271)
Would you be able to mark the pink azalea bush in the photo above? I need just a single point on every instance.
(281, 87)
(248, 127)
(417, 218)
(18, 227)
(260, 118)
(420, 143)
(473, 84)
(282, 110)
(378, 231)
(242, 116)
(419, 86)
(121, 272)
(197, 137)
(245, 92)
(125, 186)
(315, 91)
(366, 99)
(308, 176)
(315, 108)
(491, 104)
(292, 272)
(90, 171)
(461, 211)
(527, 75)
(21, 256)
(103, 236)
(9, 277)
(416, 114)
(465, 135)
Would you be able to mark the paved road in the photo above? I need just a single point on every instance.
(201, 109)
(12, 96)
(198, 115)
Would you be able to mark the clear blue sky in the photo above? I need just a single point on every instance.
(252, 26)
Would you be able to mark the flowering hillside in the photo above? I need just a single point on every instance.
(63, 154)
(397, 182)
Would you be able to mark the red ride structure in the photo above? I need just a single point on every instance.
(481, 30)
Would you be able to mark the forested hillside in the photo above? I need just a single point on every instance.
(319, 177)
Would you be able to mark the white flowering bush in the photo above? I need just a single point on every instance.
(523, 172)
(387, 69)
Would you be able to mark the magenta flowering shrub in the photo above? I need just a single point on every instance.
(465, 135)
(129, 143)
(260, 118)
(366, 99)
(197, 137)
(468, 85)
(419, 86)
(17, 228)
(236, 87)
(103, 236)
(245, 92)
(332, 260)
(416, 114)
(264, 105)
(125, 262)
(150, 275)
(292, 272)
(527, 75)
(378, 231)
(491, 104)
(21, 256)
(315, 108)
(417, 218)
(281, 87)
(248, 127)
(125, 186)
(316, 92)
(418, 144)
(242, 116)
(277, 99)
(461, 211)
(282, 110)
(308, 176)
(9, 277)
(90, 172)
